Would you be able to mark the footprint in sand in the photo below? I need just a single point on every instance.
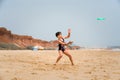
(88, 72)
(14, 78)
(33, 73)
(64, 77)
(7, 71)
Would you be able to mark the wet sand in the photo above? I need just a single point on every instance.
(38, 65)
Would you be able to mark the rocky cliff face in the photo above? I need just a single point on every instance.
(23, 40)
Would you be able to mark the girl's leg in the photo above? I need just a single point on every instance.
(70, 57)
(59, 57)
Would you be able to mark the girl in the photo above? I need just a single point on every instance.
(61, 46)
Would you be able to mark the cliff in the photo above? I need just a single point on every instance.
(23, 41)
(7, 38)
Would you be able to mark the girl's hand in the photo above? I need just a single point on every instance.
(69, 30)
(70, 42)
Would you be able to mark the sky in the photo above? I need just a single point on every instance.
(43, 18)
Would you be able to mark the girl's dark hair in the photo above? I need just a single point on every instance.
(57, 33)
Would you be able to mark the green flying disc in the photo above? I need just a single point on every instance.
(100, 18)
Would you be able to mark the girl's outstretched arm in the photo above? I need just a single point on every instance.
(63, 43)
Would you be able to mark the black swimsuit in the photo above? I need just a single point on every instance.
(61, 46)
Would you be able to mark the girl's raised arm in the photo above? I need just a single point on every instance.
(69, 33)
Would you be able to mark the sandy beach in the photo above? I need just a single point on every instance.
(38, 65)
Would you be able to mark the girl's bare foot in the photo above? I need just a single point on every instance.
(72, 64)
(55, 64)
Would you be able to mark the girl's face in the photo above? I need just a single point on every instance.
(60, 36)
